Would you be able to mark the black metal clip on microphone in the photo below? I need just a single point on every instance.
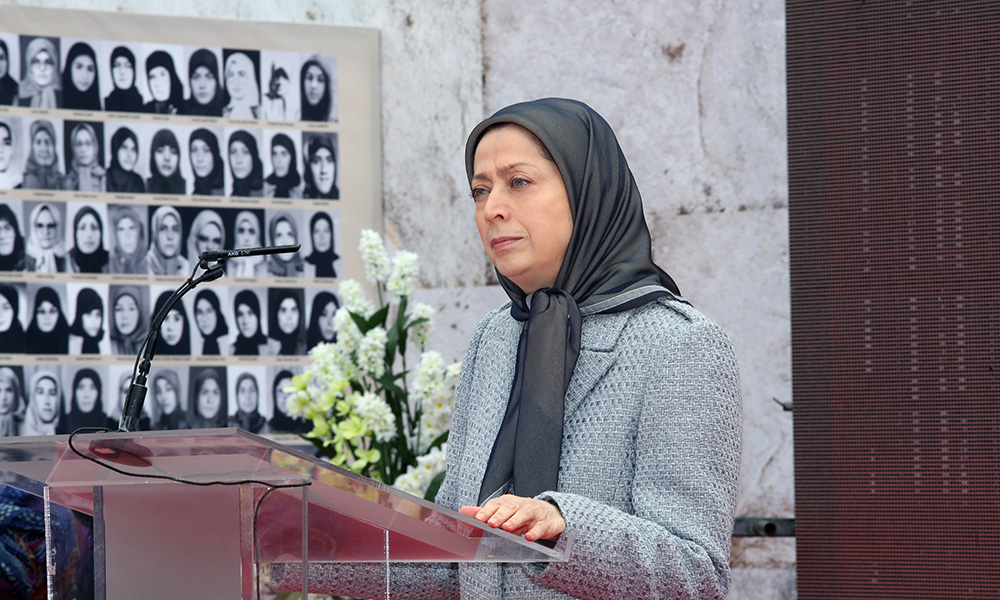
(132, 411)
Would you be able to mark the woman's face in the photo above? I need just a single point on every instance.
(6, 147)
(122, 73)
(168, 236)
(203, 85)
(323, 169)
(240, 160)
(202, 160)
(92, 322)
(246, 395)
(281, 397)
(86, 394)
(126, 314)
(88, 234)
(522, 209)
(128, 153)
(209, 238)
(314, 84)
(322, 236)
(172, 328)
(43, 148)
(159, 83)
(247, 234)
(281, 86)
(4, 64)
(246, 320)
(8, 396)
(45, 399)
(283, 234)
(238, 80)
(165, 395)
(45, 229)
(209, 398)
(6, 314)
(205, 316)
(8, 236)
(127, 233)
(166, 160)
(43, 68)
(281, 158)
(288, 315)
(82, 72)
(326, 321)
(84, 147)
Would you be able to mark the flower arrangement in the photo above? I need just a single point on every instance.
(370, 414)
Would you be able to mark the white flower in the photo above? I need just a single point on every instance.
(374, 256)
(348, 334)
(371, 352)
(405, 266)
(374, 410)
(428, 377)
(421, 332)
(418, 478)
(355, 299)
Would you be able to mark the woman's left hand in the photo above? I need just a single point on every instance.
(534, 519)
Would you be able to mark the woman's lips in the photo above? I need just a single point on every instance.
(500, 243)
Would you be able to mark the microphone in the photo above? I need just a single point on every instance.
(214, 255)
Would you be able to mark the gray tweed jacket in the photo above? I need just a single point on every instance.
(648, 472)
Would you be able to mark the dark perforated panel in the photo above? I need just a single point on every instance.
(894, 184)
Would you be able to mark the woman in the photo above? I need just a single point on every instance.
(40, 86)
(11, 401)
(275, 106)
(128, 321)
(122, 177)
(84, 173)
(287, 320)
(321, 168)
(128, 254)
(80, 80)
(207, 404)
(12, 257)
(248, 235)
(211, 323)
(247, 416)
(164, 256)
(316, 88)
(86, 407)
(250, 341)
(41, 171)
(166, 391)
(245, 165)
(10, 173)
(596, 356)
(46, 251)
(284, 181)
(175, 331)
(44, 404)
(48, 332)
(11, 332)
(321, 328)
(203, 76)
(207, 233)
(88, 254)
(87, 330)
(284, 232)
(206, 164)
(281, 421)
(165, 90)
(125, 97)
(322, 256)
(164, 165)
(242, 89)
(8, 87)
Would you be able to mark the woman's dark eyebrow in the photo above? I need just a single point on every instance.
(504, 169)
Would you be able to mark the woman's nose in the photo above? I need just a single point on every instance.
(497, 206)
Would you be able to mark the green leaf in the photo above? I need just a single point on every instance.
(435, 485)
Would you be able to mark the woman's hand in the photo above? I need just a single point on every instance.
(534, 519)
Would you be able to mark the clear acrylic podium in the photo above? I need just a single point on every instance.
(258, 504)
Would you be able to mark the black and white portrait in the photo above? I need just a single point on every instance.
(166, 243)
(318, 88)
(175, 330)
(44, 401)
(84, 152)
(120, 73)
(128, 321)
(282, 422)
(12, 243)
(248, 232)
(88, 332)
(281, 153)
(321, 246)
(321, 173)
(287, 320)
(206, 96)
(86, 239)
(167, 394)
(208, 168)
(241, 74)
(84, 398)
(10, 68)
(125, 160)
(283, 229)
(12, 399)
(13, 316)
(279, 72)
(11, 152)
(128, 239)
(323, 307)
(165, 72)
(207, 399)
(250, 337)
(81, 76)
(249, 404)
(45, 250)
(245, 170)
(41, 84)
(211, 332)
(43, 167)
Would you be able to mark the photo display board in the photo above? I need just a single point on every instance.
(130, 144)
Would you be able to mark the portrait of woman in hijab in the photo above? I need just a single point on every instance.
(247, 416)
(165, 388)
(284, 180)
(128, 230)
(275, 106)
(207, 404)
(48, 332)
(164, 165)
(283, 231)
(321, 166)
(12, 257)
(287, 320)
(175, 331)
(10, 168)
(84, 172)
(41, 171)
(46, 249)
(250, 339)
(245, 166)
(248, 235)
(80, 79)
(125, 97)
(206, 98)
(207, 233)
(281, 421)
(210, 321)
(321, 330)
(8, 86)
(11, 401)
(45, 401)
(129, 325)
(88, 254)
(40, 86)
(316, 85)
(164, 256)
(87, 331)
(242, 84)
(121, 176)
(165, 89)
(322, 256)
(11, 331)
(206, 163)
(86, 405)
